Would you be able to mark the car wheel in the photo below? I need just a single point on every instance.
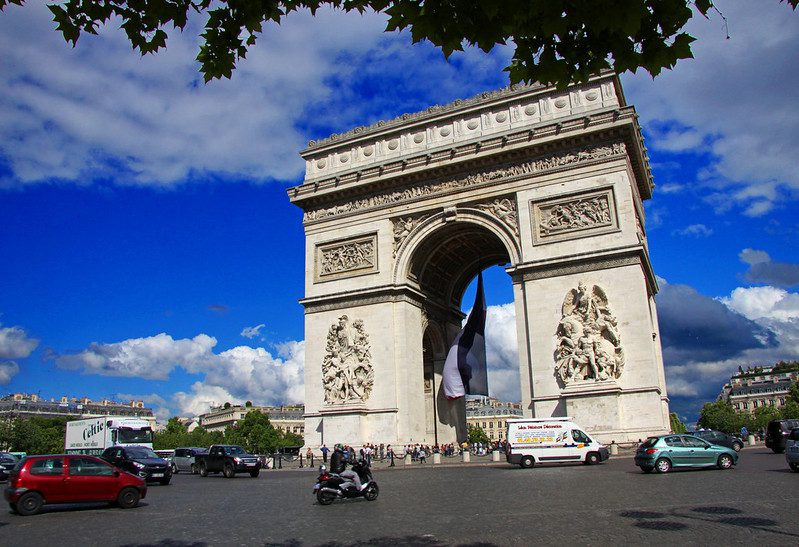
(527, 462)
(175, 469)
(725, 461)
(778, 450)
(128, 498)
(592, 458)
(663, 465)
(29, 503)
(647, 469)
(325, 498)
(254, 474)
(228, 471)
(203, 470)
(371, 492)
(194, 469)
(737, 447)
(794, 466)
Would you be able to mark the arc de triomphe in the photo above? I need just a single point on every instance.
(400, 216)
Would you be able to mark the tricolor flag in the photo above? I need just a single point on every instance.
(465, 367)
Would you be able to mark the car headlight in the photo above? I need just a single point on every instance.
(237, 460)
(139, 465)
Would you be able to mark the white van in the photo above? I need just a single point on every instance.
(550, 440)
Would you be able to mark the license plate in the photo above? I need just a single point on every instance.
(158, 475)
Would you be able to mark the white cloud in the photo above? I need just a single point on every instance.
(8, 369)
(252, 332)
(238, 374)
(739, 96)
(502, 353)
(758, 303)
(15, 343)
(694, 230)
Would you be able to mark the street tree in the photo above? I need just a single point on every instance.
(677, 426)
(554, 41)
(721, 416)
(476, 434)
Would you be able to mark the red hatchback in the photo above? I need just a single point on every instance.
(70, 478)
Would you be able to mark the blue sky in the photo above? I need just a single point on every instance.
(149, 250)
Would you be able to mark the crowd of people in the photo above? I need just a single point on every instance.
(418, 452)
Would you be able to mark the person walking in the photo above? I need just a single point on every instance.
(390, 452)
(309, 457)
(422, 455)
(324, 451)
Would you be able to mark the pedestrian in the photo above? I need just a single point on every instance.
(390, 452)
(309, 457)
(324, 451)
(422, 455)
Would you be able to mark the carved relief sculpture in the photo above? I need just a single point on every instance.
(402, 229)
(347, 374)
(350, 257)
(504, 210)
(575, 215)
(588, 341)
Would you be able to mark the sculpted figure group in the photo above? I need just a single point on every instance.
(589, 345)
(347, 374)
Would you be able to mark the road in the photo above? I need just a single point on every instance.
(467, 504)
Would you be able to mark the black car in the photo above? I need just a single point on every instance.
(140, 461)
(776, 433)
(722, 439)
(7, 462)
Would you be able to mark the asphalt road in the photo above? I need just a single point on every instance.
(467, 504)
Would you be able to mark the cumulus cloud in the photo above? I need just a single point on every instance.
(734, 103)
(252, 332)
(15, 343)
(502, 353)
(763, 270)
(238, 374)
(8, 369)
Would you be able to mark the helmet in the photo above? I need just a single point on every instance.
(338, 446)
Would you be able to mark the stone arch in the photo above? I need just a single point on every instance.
(422, 255)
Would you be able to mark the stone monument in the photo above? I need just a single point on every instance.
(400, 216)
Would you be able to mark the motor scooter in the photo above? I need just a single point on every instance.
(330, 486)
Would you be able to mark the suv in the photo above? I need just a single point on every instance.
(719, 438)
(776, 432)
(792, 449)
(141, 461)
(183, 459)
(70, 478)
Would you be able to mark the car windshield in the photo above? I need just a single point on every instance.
(791, 424)
(135, 436)
(141, 452)
(234, 451)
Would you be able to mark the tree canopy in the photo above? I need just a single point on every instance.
(556, 41)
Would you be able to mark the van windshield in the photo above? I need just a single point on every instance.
(135, 436)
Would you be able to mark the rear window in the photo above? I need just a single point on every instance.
(47, 466)
(649, 442)
(794, 436)
(791, 424)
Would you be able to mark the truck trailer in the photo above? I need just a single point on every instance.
(93, 435)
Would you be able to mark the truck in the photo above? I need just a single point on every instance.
(550, 440)
(94, 435)
(228, 459)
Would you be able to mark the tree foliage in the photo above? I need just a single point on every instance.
(677, 426)
(34, 435)
(258, 436)
(176, 434)
(476, 434)
(556, 41)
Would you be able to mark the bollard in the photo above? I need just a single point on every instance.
(436, 458)
(467, 457)
(750, 440)
(495, 456)
(614, 448)
(408, 460)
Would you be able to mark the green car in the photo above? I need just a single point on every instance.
(665, 452)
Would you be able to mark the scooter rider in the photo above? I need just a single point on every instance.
(339, 467)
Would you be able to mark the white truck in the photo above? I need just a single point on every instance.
(550, 440)
(93, 435)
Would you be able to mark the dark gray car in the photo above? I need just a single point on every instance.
(722, 439)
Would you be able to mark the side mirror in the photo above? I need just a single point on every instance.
(117, 472)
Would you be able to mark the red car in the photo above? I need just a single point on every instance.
(70, 478)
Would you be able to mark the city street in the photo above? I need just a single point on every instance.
(465, 504)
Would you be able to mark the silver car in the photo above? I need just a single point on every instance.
(792, 449)
(183, 459)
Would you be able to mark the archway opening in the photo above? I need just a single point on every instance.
(445, 266)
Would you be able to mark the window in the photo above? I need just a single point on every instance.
(48, 466)
(672, 441)
(693, 442)
(754, 404)
(580, 437)
(746, 406)
(89, 467)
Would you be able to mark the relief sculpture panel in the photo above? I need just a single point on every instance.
(567, 218)
(346, 258)
(347, 374)
(588, 340)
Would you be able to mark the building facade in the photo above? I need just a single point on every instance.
(286, 418)
(757, 387)
(23, 405)
(492, 415)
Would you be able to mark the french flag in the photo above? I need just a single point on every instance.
(465, 368)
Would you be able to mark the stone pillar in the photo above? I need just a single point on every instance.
(436, 458)
(467, 457)
(495, 456)
(750, 440)
(408, 460)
